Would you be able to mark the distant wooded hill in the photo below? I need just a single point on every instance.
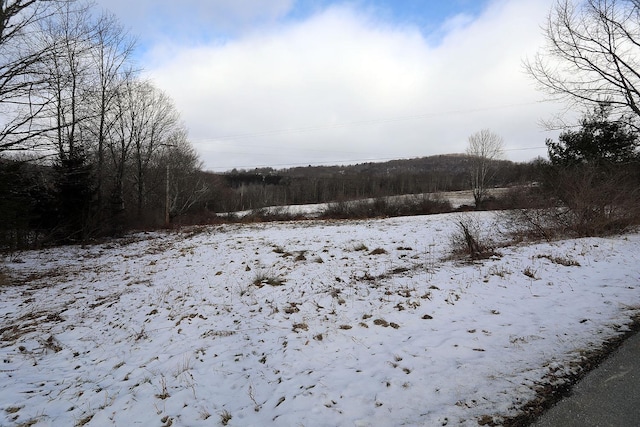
(251, 189)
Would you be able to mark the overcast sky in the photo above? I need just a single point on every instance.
(284, 83)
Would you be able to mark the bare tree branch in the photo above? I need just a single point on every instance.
(592, 56)
(21, 81)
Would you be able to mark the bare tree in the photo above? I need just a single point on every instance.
(592, 56)
(111, 57)
(120, 127)
(68, 75)
(158, 120)
(146, 122)
(186, 185)
(21, 101)
(485, 147)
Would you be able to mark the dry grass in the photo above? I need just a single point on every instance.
(378, 251)
(360, 247)
(531, 273)
(84, 421)
(261, 279)
(300, 327)
(566, 261)
(5, 279)
(225, 417)
(164, 394)
(500, 271)
(381, 322)
(30, 322)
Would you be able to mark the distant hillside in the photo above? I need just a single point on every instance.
(452, 163)
(249, 189)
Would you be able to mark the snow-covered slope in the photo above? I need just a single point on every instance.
(306, 323)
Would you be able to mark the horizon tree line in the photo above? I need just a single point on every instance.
(88, 147)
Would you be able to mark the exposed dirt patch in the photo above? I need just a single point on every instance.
(25, 324)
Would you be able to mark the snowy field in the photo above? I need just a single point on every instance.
(456, 198)
(354, 323)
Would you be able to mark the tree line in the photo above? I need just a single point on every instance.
(254, 189)
(87, 146)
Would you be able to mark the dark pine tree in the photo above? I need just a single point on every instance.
(599, 142)
(75, 191)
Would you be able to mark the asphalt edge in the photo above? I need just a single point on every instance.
(549, 394)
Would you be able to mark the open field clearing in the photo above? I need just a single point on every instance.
(456, 198)
(314, 323)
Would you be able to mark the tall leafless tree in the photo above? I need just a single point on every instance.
(146, 122)
(185, 183)
(118, 140)
(21, 100)
(485, 147)
(158, 119)
(592, 56)
(68, 73)
(111, 57)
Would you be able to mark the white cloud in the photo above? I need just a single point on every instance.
(369, 89)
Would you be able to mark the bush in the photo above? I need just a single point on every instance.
(267, 215)
(595, 201)
(467, 239)
(387, 207)
(530, 224)
(579, 202)
(519, 197)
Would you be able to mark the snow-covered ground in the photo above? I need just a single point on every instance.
(314, 323)
(456, 198)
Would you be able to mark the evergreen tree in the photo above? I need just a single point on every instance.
(598, 142)
(74, 191)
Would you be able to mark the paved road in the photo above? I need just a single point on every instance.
(607, 396)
